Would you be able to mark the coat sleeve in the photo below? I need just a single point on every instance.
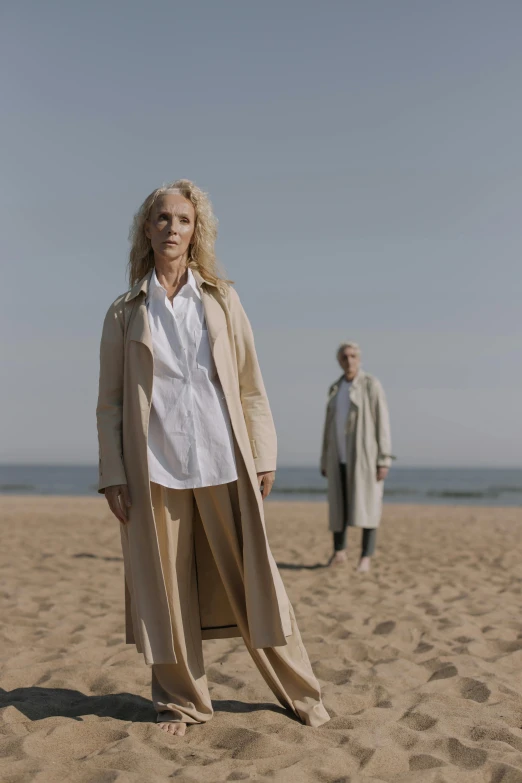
(109, 411)
(382, 426)
(254, 400)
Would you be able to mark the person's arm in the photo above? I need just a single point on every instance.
(109, 411)
(254, 400)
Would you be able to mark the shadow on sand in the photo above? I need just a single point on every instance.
(301, 567)
(39, 703)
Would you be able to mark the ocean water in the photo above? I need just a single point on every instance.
(472, 486)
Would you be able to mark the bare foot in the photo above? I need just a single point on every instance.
(170, 727)
(338, 558)
(364, 565)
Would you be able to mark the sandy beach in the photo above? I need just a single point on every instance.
(420, 661)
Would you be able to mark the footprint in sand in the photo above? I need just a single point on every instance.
(384, 628)
(444, 673)
(249, 745)
(220, 678)
(418, 721)
(335, 676)
(474, 690)
(496, 734)
(423, 647)
(424, 761)
(505, 773)
(465, 757)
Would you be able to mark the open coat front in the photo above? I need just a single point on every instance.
(368, 446)
(126, 377)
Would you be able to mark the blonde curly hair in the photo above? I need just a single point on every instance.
(202, 256)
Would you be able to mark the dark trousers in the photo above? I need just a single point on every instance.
(369, 536)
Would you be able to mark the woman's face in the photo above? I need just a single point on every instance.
(170, 227)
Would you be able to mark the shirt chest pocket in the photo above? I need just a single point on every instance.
(204, 360)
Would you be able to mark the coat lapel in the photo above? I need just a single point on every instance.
(216, 324)
(214, 316)
(139, 329)
(332, 401)
(356, 390)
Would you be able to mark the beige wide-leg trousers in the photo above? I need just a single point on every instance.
(180, 691)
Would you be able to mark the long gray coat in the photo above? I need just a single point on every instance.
(368, 446)
(126, 375)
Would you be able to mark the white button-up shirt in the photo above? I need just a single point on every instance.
(190, 441)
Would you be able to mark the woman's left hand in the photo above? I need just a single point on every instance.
(266, 482)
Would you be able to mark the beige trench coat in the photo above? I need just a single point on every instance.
(126, 377)
(368, 446)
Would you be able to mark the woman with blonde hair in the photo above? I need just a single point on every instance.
(187, 455)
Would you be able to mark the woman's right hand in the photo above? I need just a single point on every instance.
(119, 501)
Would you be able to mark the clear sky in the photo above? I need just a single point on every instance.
(364, 161)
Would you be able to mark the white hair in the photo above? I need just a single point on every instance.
(353, 345)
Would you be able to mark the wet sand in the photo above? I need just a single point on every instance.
(420, 660)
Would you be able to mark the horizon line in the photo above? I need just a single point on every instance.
(448, 466)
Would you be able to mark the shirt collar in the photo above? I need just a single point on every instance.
(156, 289)
(192, 283)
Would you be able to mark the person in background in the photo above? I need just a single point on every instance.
(356, 455)
(187, 455)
